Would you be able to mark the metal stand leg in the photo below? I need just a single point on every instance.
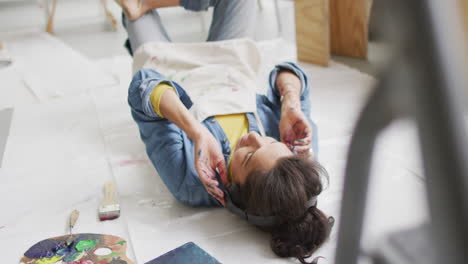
(424, 83)
(376, 116)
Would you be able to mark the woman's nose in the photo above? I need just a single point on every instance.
(255, 139)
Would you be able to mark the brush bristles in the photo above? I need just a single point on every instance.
(108, 217)
(109, 212)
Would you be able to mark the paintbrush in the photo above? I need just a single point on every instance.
(73, 218)
(109, 209)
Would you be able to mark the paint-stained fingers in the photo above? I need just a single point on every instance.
(210, 177)
(206, 174)
(215, 190)
(303, 132)
(302, 149)
(208, 181)
(218, 198)
(221, 167)
(302, 142)
(222, 201)
(216, 193)
(288, 141)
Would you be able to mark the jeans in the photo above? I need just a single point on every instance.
(231, 19)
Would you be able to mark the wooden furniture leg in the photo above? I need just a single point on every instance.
(313, 31)
(349, 25)
(278, 17)
(109, 15)
(50, 14)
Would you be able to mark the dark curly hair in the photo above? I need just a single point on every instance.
(284, 191)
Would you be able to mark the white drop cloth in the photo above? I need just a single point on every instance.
(60, 153)
(51, 69)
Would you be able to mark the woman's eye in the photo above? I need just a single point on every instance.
(247, 157)
(250, 155)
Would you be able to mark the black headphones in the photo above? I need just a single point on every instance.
(234, 204)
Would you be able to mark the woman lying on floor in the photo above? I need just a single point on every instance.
(205, 127)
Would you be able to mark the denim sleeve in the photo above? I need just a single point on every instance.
(143, 83)
(273, 95)
(167, 146)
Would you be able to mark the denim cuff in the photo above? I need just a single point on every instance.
(274, 94)
(143, 84)
(195, 5)
(146, 88)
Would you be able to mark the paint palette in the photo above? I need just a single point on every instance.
(187, 253)
(80, 249)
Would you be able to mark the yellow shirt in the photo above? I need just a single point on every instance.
(234, 125)
(156, 95)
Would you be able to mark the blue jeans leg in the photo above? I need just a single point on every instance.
(232, 19)
(147, 28)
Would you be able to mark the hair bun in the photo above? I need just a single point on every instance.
(302, 237)
(283, 191)
(285, 248)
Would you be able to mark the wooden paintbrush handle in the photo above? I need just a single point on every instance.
(73, 218)
(109, 193)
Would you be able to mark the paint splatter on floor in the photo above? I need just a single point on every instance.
(124, 163)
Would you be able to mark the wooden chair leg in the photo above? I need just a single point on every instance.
(51, 14)
(109, 15)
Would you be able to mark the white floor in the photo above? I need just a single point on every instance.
(67, 139)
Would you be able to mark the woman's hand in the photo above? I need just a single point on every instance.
(208, 159)
(295, 130)
(208, 155)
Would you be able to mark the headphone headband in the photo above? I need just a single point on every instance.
(262, 221)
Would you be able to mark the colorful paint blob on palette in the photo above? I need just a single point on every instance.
(84, 249)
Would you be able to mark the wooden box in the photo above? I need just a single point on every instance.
(313, 31)
(349, 25)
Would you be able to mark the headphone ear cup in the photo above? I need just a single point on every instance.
(236, 196)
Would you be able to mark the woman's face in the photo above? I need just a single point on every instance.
(254, 152)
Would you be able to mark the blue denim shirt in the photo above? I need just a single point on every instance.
(172, 152)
